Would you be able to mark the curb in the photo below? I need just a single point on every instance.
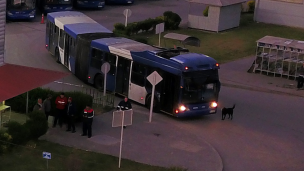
(219, 158)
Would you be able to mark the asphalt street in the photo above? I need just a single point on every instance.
(265, 134)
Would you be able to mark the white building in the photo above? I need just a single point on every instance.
(281, 12)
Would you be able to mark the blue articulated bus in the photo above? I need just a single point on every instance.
(67, 31)
(47, 6)
(190, 85)
(93, 4)
(20, 9)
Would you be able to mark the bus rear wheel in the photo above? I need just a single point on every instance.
(98, 82)
(156, 104)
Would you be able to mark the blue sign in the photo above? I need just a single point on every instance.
(46, 155)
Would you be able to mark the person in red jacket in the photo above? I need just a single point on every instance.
(61, 103)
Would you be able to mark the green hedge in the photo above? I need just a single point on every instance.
(5, 140)
(37, 124)
(206, 11)
(18, 103)
(20, 133)
(171, 20)
(251, 6)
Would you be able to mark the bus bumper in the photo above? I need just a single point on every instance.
(195, 110)
(14, 16)
(89, 4)
(195, 113)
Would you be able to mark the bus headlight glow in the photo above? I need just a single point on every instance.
(182, 108)
(213, 105)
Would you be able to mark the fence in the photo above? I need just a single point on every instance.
(98, 97)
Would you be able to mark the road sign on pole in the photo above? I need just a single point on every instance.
(127, 13)
(47, 156)
(158, 30)
(105, 68)
(122, 118)
(154, 79)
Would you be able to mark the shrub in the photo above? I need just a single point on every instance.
(5, 140)
(20, 133)
(251, 5)
(206, 11)
(18, 103)
(119, 26)
(37, 124)
(172, 20)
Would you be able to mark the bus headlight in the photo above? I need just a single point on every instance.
(69, 8)
(33, 12)
(213, 105)
(9, 13)
(80, 2)
(182, 108)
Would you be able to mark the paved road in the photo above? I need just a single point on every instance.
(266, 133)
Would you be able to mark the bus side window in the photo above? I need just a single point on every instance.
(96, 58)
(61, 41)
(111, 59)
(55, 30)
(138, 74)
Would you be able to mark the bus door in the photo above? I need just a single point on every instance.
(66, 49)
(122, 76)
(51, 37)
(169, 94)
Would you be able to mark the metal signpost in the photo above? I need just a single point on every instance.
(47, 156)
(154, 79)
(127, 13)
(105, 68)
(158, 30)
(122, 118)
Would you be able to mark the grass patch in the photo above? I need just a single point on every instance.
(231, 44)
(68, 159)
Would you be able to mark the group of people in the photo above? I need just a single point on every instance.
(66, 108)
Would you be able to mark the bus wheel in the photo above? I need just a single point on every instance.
(156, 105)
(98, 82)
(57, 56)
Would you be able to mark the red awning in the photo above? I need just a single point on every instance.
(16, 79)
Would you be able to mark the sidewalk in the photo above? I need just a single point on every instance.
(234, 74)
(157, 143)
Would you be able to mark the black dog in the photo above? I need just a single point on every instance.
(228, 111)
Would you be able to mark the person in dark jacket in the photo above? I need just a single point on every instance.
(124, 104)
(71, 111)
(88, 115)
(38, 106)
(47, 106)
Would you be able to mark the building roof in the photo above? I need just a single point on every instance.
(83, 28)
(278, 41)
(16, 79)
(68, 17)
(219, 3)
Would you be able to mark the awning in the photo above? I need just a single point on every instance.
(219, 3)
(16, 79)
(184, 39)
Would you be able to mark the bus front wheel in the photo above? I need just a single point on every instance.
(156, 105)
(98, 82)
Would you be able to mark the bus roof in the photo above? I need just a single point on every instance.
(68, 17)
(121, 46)
(195, 61)
(82, 28)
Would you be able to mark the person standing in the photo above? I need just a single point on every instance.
(124, 105)
(88, 115)
(61, 103)
(47, 106)
(71, 111)
(38, 106)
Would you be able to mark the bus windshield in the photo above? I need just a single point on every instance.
(21, 4)
(54, 2)
(199, 89)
